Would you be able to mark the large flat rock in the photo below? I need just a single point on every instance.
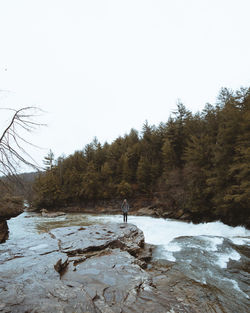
(81, 269)
(75, 240)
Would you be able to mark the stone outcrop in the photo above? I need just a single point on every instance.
(9, 207)
(46, 213)
(98, 268)
(4, 231)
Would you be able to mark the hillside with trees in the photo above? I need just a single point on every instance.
(197, 164)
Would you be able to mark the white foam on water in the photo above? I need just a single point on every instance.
(166, 251)
(162, 231)
(165, 254)
(240, 241)
(173, 247)
(213, 243)
(223, 258)
(236, 286)
(159, 231)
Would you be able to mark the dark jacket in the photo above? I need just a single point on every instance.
(125, 207)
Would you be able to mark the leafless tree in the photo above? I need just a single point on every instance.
(13, 140)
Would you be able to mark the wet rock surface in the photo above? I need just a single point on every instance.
(4, 231)
(46, 213)
(9, 207)
(99, 268)
(200, 296)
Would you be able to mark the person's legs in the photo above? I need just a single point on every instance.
(126, 217)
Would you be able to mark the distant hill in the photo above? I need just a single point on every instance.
(20, 185)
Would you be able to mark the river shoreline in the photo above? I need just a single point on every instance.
(139, 207)
(148, 207)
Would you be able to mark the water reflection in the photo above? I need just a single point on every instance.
(47, 223)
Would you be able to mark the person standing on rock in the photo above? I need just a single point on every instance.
(125, 209)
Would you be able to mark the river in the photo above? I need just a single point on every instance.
(214, 255)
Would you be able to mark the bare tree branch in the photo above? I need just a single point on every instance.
(12, 141)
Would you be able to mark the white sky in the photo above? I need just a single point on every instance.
(100, 68)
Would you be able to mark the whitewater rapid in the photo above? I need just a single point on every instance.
(208, 253)
(163, 232)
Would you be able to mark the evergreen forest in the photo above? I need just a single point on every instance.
(199, 163)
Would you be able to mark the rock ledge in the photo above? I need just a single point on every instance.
(97, 268)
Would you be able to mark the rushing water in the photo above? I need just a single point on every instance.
(213, 254)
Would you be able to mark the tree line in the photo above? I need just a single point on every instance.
(196, 162)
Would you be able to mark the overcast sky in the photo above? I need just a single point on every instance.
(99, 68)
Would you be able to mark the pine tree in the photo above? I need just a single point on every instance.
(237, 197)
(49, 160)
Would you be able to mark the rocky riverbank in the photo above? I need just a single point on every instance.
(98, 268)
(4, 231)
(140, 207)
(151, 207)
(9, 207)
